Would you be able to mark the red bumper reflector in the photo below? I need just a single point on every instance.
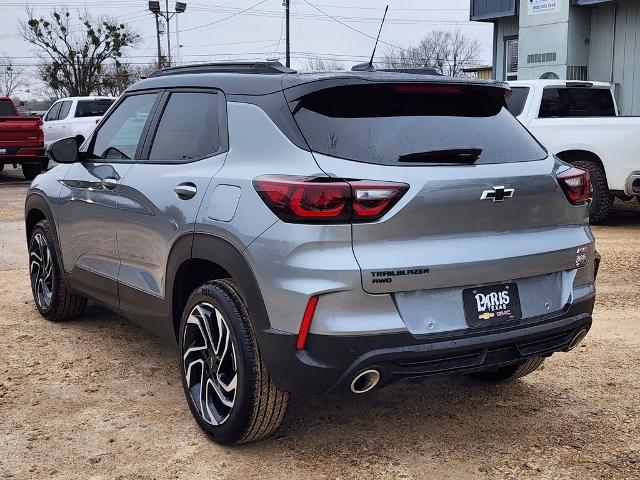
(306, 322)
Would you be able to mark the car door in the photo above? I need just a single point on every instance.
(50, 119)
(160, 196)
(89, 198)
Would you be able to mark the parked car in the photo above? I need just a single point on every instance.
(316, 232)
(579, 123)
(74, 117)
(21, 140)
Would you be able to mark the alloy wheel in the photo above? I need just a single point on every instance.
(209, 363)
(41, 270)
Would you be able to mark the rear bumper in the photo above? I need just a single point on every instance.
(330, 362)
(22, 155)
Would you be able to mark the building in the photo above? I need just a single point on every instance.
(596, 40)
(482, 72)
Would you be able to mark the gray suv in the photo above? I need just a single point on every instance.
(314, 232)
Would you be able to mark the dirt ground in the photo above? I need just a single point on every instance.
(100, 398)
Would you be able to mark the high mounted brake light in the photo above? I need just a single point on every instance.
(576, 185)
(426, 88)
(325, 200)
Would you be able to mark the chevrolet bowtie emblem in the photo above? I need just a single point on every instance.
(497, 194)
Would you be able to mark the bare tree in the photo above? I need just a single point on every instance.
(447, 52)
(12, 77)
(317, 63)
(116, 77)
(74, 50)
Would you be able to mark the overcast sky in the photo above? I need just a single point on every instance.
(258, 33)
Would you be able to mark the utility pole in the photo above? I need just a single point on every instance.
(168, 17)
(158, 38)
(288, 51)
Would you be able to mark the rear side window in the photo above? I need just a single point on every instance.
(92, 108)
(409, 124)
(119, 135)
(517, 100)
(576, 102)
(53, 112)
(188, 128)
(6, 108)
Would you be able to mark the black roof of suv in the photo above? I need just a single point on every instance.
(262, 78)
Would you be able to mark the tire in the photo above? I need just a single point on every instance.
(602, 201)
(52, 297)
(31, 170)
(44, 164)
(510, 373)
(254, 408)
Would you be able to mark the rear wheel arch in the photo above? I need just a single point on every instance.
(36, 209)
(602, 201)
(198, 258)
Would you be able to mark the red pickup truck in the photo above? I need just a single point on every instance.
(21, 140)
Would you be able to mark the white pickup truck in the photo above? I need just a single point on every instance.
(579, 122)
(74, 117)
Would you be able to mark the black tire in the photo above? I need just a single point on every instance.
(258, 407)
(44, 164)
(602, 201)
(31, 170)
(509, 373)
(61, 303)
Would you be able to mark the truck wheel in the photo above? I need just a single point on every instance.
(31, 170)
(226, 383)
(53, 299)
(602, 200)
(510, 373)
(44, 164)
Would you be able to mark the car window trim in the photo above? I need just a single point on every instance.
(143, 134)
(223, 133)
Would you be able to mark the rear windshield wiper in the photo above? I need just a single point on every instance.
(465, 156)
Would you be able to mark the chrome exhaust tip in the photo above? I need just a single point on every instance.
(365, 381)
(575, 341)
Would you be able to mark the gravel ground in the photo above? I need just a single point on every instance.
(100, 398)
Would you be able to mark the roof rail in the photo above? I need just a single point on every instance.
(264, 68)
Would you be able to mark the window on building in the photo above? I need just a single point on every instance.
(577, 102)
(511, 58)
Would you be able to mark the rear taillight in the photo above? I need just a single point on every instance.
(323, 200)
(40, 133)
(576, 185)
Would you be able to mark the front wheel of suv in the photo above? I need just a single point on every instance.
(53, 299)
(226, 383)
(509, 373)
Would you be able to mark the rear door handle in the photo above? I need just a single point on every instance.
(185, 190)
(109, 183)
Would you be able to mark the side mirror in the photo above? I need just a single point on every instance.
(64, 150)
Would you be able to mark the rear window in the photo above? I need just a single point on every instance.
(6, 108)
(577, 102)
(409, 124)
(92, 108)
(517, 99)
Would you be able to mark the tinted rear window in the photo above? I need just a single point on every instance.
(576, 102)
(517, 99)
(92, 108)
(6, 108)
(188, 128)
(403, 125)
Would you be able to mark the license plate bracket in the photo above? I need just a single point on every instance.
(490, 304)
